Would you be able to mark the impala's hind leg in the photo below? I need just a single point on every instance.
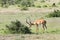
(43, 26)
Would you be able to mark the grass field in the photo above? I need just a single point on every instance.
(13, 13)
(8, 15)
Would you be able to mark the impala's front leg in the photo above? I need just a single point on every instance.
(37, 29)
(45, 27)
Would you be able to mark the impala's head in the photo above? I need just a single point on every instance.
(29, 22)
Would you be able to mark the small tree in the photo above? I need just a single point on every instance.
(18, 27)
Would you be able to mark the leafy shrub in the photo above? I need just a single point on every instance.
(24, 8)
(42, 0)
(17, 27)
(38, 6)
(44, 5)
(56, 13)
(54, 5)
(18, 5)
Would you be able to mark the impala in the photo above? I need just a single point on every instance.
(37, 22)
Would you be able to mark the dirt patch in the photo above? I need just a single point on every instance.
(31, 37)
(30, 10)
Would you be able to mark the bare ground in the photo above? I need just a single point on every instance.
(17, 10)
(31, 37)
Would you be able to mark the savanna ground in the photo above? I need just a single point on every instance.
(11, 14)
(14, 13)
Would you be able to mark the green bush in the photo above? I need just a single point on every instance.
(42, 0)
(56, 13)
(24, 8)
(45, 6)
(54, 5)
(38, 6)
(18, 27)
